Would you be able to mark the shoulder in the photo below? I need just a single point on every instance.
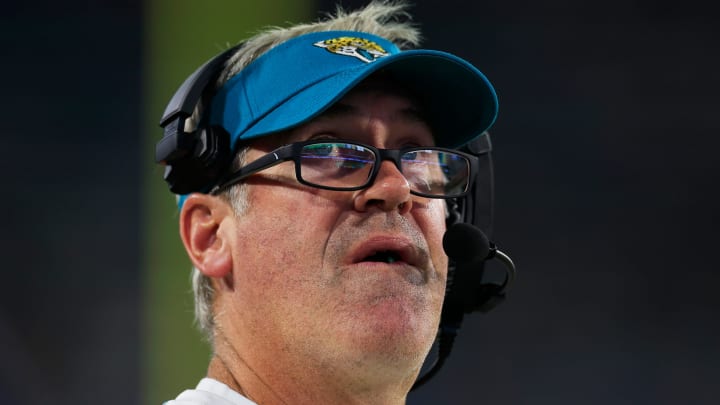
(210, 392)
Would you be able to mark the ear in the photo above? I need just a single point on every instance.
(205, 229)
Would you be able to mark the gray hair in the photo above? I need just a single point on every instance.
(385, 18)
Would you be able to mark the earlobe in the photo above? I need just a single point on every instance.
(204, 230)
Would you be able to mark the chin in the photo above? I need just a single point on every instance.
(394, 331)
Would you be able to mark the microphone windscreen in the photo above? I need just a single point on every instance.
(465, 243)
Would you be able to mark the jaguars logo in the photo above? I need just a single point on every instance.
(361, 48)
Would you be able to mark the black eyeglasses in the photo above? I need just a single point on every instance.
(346, 166)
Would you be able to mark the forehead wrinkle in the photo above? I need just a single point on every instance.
(341, 110)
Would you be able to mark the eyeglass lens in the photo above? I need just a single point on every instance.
(336, 164)
(345, 165)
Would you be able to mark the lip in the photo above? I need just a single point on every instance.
(408, 253)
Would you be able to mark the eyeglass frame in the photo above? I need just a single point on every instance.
(292, 152)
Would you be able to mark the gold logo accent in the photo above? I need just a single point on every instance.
(361, 48)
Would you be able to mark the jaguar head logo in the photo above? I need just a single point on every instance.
(361, 48)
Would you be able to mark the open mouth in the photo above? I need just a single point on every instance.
(391, 254)
(385, 249)
(383, 256)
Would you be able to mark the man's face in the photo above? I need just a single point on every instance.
(353, 278)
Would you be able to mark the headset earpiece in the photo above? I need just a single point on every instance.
(210, 156)
(477, 207)
(195, 159)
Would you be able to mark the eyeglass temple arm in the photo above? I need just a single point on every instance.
(267, 161)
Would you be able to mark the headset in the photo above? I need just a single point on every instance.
(196, 158)
(469, 222)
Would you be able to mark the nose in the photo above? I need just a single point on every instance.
(388, 192)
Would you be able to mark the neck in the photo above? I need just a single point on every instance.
(274, 381)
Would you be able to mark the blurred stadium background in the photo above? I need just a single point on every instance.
(607, 198)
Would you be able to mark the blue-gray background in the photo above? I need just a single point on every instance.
(607, 199)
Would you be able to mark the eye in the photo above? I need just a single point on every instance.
(410, 156)
(320, 149)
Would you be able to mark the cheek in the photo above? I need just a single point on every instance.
(291, 232)
(272, 247)
(431, 220)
